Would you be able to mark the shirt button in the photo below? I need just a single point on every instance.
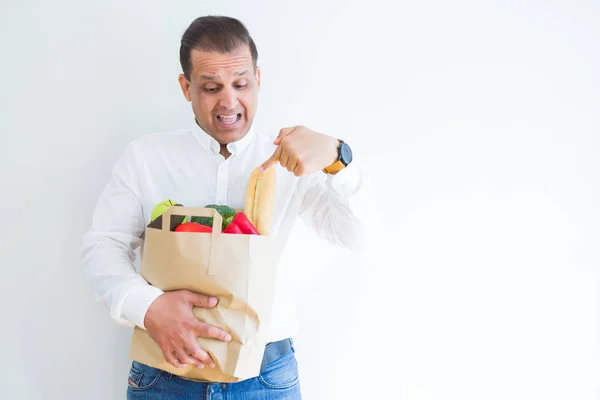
(224, 386)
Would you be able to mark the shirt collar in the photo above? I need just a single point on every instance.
(212, 146)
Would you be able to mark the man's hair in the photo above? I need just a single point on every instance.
(214, 33)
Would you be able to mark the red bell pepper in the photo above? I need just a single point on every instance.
(241, 224)
(232, 228)
(192, 227)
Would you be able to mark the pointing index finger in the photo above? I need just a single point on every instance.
(271, 161)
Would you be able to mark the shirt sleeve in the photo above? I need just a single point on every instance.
(335, 207)
(108, 247)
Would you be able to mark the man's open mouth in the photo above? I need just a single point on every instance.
(229, 120)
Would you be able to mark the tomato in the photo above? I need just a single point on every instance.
(192, 227)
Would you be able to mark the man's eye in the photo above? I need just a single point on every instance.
(210, 89)
(241, 86)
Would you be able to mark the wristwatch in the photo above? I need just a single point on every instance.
(344, 158)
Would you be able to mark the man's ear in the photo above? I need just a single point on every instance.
(185, 87)
(258, 76)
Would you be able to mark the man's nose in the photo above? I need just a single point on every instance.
(228, 99)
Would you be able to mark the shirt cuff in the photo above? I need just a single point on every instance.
(137, 303)
(347, 181)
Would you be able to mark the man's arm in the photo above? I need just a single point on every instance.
(334, 205)
(107, 251)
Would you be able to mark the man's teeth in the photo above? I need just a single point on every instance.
(228, 119)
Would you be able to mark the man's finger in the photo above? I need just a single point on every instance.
(271, 161)
(284, 159)
(210, 331)
(299, 170)
(185, 358)
(198, 352)
(201, 300)
(282, 133)
(285, 131)
(172, 359)
(292, 164)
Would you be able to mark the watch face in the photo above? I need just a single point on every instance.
(345, 154)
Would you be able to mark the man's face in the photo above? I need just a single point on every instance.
(223, 90)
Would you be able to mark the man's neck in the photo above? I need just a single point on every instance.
(224, 152)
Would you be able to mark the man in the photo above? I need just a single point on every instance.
(211, 163)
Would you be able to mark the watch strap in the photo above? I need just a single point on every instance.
(334, 168)
(337, 165)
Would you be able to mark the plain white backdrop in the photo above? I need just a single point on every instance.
(478, 122)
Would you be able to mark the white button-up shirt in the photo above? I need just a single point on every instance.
(186, 167)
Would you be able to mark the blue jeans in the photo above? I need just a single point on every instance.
(278, 381)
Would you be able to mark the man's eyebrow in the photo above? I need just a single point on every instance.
(214, 78)
(208, 77)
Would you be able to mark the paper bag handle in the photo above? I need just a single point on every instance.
(193, 212)
(213, 262)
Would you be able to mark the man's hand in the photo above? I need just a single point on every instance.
(303, 151)
(171, 323)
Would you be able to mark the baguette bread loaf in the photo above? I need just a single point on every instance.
(260, 198)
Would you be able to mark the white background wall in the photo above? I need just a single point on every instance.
(478, 121)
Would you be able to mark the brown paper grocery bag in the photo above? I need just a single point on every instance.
(240, 270)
